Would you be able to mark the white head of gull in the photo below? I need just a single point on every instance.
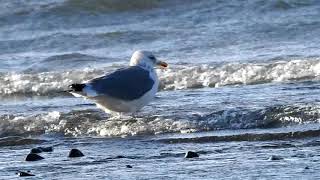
(126, 89)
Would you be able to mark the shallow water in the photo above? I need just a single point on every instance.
(243, 84)
(152, 159)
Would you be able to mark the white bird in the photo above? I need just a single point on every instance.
(125, 90)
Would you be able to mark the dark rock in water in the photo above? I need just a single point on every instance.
(33, 157)
(46, 149)
(36, 150)
(24, 174)
(191, 154)
(75, 153)
(275, 158)
(218, 150)
(307, 167)
(128, 166)
(41, 149)
(120, 156)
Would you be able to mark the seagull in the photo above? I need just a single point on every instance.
(125, 90)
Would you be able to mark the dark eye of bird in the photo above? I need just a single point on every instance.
(152, 57)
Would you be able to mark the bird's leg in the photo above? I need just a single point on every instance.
(115, 115)
(120, 115)
(133, 115)
(123, 116)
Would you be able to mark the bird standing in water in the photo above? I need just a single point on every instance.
(124, 90)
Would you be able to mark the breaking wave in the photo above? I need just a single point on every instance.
(177, 77)
(96, 123)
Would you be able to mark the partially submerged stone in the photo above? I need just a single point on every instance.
(36, 150)
(120, 157)
(41, 149)
(24, 174)
(33, 157)
(275, 158)
(46, 149)
(75, 153)
(191, 154)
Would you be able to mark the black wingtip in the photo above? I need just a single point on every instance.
(77, 87)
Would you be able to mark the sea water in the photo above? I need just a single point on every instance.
(242, 86)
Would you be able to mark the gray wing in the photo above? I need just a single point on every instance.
(126, 84)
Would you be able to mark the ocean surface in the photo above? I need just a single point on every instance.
(243, 85)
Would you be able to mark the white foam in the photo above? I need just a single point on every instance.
(95, 123)
(176, 77)
(194, 76)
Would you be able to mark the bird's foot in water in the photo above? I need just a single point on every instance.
(134, 115)
(122, 116)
